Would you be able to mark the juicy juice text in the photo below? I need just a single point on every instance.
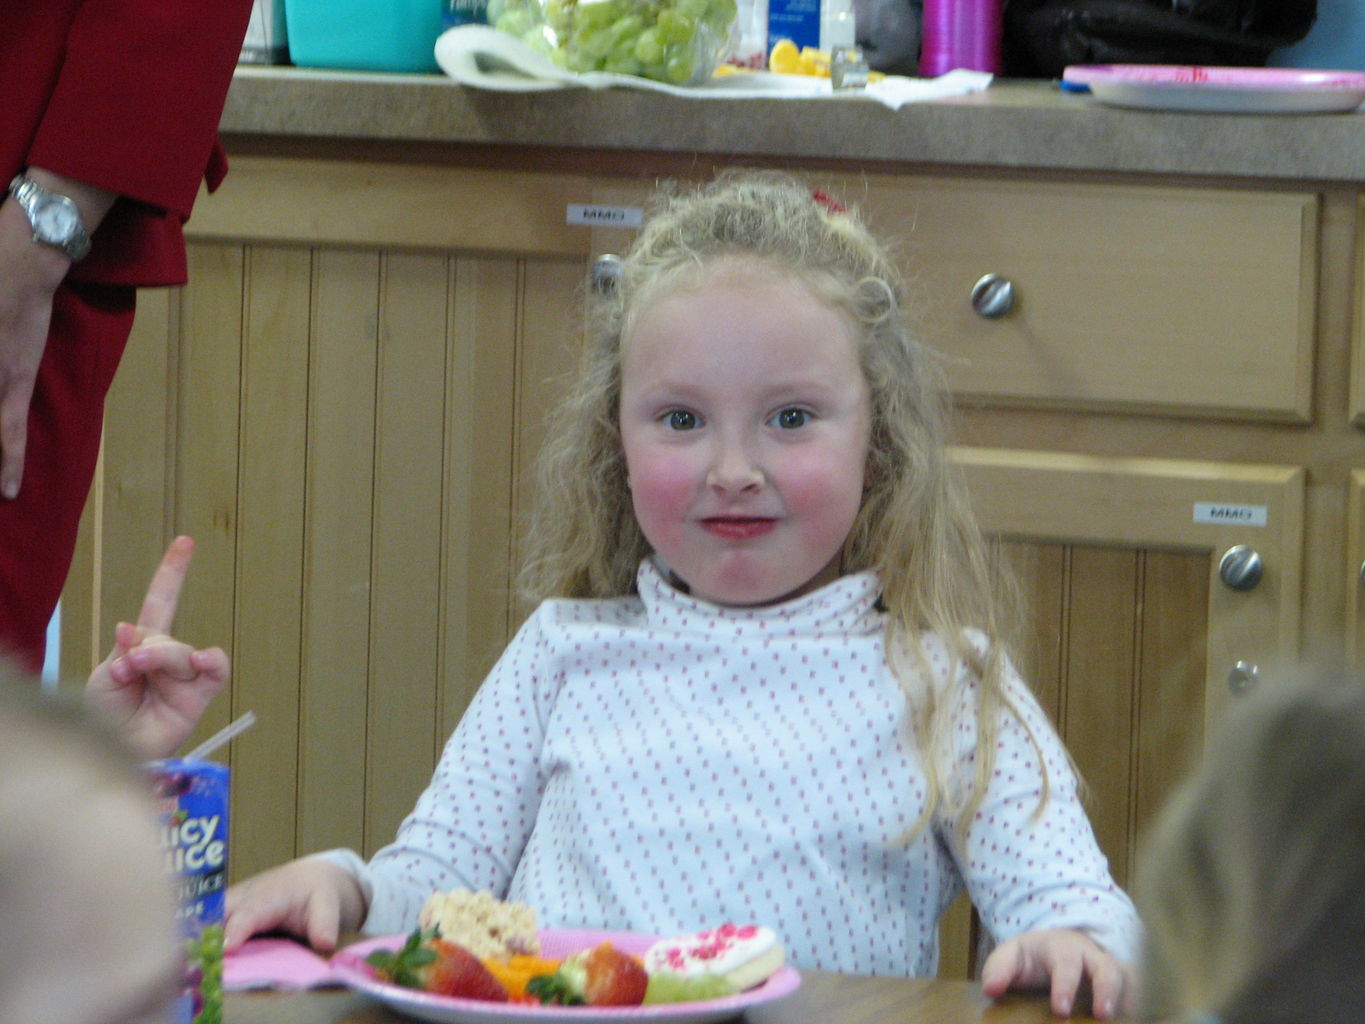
(192, 806)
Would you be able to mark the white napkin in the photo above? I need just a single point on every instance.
(896, 91)
(486, 58)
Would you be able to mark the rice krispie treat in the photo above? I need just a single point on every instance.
(482, 923)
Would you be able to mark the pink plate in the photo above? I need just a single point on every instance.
(349, 964)
(1221, 89)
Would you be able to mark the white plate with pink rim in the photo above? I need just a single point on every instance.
(1227, 90)
(349, 964)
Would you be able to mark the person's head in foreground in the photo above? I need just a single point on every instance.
(1253, 887)
(85, 909)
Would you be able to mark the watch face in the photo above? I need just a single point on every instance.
(55, 221)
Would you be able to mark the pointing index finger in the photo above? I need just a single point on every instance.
(163, 593)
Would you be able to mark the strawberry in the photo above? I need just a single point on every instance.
(614, 978)
(458, 972)
(428, 962)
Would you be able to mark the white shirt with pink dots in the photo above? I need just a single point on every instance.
(662, 765)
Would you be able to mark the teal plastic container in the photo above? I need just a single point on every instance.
(364, 35)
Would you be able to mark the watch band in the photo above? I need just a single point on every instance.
(39, 203)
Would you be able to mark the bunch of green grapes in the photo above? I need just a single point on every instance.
(674, 41)
(205, 962)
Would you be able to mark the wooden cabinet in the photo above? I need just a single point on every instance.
(1135, 642)
(1191, 301)
(1139, 643)
(342, 405)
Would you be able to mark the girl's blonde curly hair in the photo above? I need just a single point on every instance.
(914, 528)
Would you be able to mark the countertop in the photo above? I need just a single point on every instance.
(1014, 124)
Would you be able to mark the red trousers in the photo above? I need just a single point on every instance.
(90, 327)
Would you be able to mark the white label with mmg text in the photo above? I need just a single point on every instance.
(1220, 512)
(605, 216)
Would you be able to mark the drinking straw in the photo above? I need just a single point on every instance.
(222, 736)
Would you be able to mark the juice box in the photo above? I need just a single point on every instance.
(192, 805)
(797, 20)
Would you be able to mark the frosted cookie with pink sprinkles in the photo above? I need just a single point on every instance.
(743, 955)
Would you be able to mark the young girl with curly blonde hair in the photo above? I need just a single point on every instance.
(764, 680)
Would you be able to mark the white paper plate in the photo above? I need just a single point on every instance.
(349, 964)
(1221, 89)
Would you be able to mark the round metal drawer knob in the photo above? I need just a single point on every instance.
(606, 271)
(1241, 567)
(1244, 677)
(993, 296)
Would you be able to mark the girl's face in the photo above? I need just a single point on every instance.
(745, 419)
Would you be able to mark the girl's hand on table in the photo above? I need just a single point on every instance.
(311, 898)
(154, 687)
(1059, 959)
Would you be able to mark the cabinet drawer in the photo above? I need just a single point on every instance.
(1143, 299)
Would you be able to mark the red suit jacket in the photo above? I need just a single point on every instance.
(124, 94)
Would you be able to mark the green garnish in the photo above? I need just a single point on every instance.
(403, 966)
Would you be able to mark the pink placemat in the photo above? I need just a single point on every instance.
(276, 964)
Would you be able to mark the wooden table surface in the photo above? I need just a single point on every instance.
(823, 998)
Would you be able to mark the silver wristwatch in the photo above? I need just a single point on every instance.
(54, 217)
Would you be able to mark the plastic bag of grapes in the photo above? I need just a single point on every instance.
(680, 42)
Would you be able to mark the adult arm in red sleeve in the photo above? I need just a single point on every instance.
(136, 107)
(123, 98)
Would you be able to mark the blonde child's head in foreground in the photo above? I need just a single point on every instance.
(85, 908)
(1252, 890)
(755, 323)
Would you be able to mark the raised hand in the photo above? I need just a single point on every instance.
(154, 687)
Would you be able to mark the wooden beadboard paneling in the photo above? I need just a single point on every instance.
(1111, 652)
(1354, 580)
(1099, 688)
(1170, 699)
(550, 313)
(1039, 569)
(405, 614)
(267, 643)
(335, 684)
(206, 446)
(476, 530)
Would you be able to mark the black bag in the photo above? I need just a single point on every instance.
(1042, 37)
